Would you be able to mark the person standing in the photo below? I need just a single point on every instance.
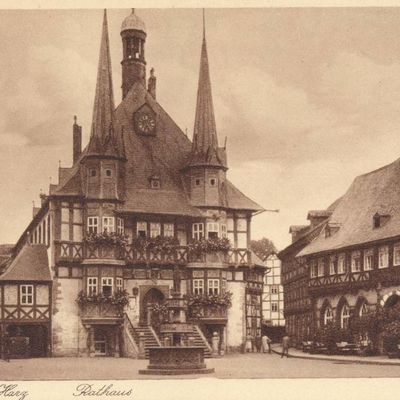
(266, 343)
(258, 343)
(285, 346)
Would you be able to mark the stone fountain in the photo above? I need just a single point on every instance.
(177, 355)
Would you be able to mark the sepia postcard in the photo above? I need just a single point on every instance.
(199, 200)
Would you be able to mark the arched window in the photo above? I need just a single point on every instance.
(363, 309)
(345, 317)
(328, 315)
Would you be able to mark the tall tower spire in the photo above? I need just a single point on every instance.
(103, 139)
(205, 141)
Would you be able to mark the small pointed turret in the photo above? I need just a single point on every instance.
(205, 141)
(103, 138)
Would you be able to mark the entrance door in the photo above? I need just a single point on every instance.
(153, 296)
(32, 336)
(100, 342)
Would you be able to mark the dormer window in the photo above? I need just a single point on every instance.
(377, 221)
(155, 182)
(380, 219)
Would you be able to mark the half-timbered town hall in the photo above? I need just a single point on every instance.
(142, 237)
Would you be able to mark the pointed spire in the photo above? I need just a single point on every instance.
(205, 141)
(103, 109)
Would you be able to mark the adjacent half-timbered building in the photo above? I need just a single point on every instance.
(353, 264)
(143, 215)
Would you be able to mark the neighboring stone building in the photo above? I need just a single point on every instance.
(273, 293)
(142, 215)
(354, 262)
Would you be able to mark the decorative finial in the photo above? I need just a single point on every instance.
(75, 119)
(59, 165)
(152, 71)
(133, 11)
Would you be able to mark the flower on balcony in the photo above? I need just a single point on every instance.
(212, 300)
(209, 245)
(119, 298)
(107, 239)
(159, 243)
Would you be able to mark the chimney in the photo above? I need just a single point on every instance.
(151, 86)
(76, 141)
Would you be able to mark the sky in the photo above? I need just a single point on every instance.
(308, 98)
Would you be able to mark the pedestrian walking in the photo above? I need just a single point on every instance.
(266, 344)
(285, 346)
(248, 344)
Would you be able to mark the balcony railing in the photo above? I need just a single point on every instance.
(202, 312)
(96, 311)
(77, 251)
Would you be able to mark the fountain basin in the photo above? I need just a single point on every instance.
(175, 360)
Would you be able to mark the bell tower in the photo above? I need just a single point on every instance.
(133, 33)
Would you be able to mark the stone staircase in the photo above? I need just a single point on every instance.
(150, 337)
(201, 341)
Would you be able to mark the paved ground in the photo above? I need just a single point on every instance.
(230, 366)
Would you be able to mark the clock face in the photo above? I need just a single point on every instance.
(145, 123)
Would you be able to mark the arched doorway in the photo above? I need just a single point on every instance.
(152, 296)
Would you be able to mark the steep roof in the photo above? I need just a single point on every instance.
(205, 139)
(31, 264)
(371, 193)
(164, 154)
(104, 140)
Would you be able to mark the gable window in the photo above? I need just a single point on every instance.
(197, 182)
(119, 284)
(198, 286)
(141, 229)
(341, 264)
(155, 229)
(213, 286)
(26, 293)
(92, 285)
(213, 181)
(212, 230)
(108, 173)
(107, 286)
(120, 226)
(321, 267)
(328, 315)
(355, 261)
(93, 224)
(368, 259)
(108, 224)
(198, 231)
(92, 172)
(396, 254)
(383, 257)
(332, 267)
(274, 307)
(169, 230)
(274, 289)
(363, 309)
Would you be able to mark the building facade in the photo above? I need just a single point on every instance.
(273, 307)
(143, 215)
(353, 263)
(295, 277)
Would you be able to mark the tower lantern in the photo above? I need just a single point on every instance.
(133, 33)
